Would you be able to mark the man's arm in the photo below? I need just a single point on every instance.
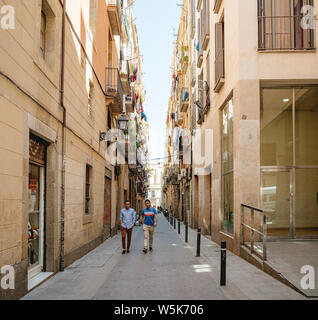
(156, 217)
(134, 218)
(121, 218)
(142, 217)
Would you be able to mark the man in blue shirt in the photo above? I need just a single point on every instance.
(149, 220)
(127, 222)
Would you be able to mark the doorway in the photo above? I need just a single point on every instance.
(107, 207)
(289, 160)
(36, 199)
(277, 198)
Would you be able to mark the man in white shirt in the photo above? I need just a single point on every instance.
(127, 222)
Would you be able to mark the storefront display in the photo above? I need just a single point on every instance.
(36, 207)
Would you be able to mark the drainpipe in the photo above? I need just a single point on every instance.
(63, 139)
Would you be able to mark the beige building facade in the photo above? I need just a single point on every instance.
(259, 98)
(60, 89)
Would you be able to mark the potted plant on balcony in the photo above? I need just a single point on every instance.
(123, 75)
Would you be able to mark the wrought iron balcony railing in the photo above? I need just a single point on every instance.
(113, 87)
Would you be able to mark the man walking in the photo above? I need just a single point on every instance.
(149, 220)
(127, 222)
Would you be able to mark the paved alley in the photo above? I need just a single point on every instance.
(170, 272)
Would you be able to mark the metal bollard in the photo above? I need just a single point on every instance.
(174, 223)
(179, 227)
(186, 232)
(223, 264)
(199, 243)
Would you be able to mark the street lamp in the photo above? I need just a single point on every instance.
(123, 122)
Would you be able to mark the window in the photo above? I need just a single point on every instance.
(93, 9)
(285, 111)
(88, 189)
(219, 56)
(43, 34)
(289, 159)
(47, 34)
(227, 168)
(90, 100)
(285, 24)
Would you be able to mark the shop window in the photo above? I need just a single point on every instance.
(227, 168)
(276, 127)
(36, 208)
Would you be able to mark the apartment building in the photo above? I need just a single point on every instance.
(155, 184)
(61, 90)
(257, 92)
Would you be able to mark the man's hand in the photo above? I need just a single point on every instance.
(155, 225)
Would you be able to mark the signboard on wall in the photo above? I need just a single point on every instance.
(37, 151)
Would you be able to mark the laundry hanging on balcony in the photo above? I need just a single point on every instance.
(144, 117)
(134, 73)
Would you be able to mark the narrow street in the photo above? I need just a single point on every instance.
(171, 272)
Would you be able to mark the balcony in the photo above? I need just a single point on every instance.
(193, 75)
(130, 104)
(179, 120)
(284, 33)
(185, 63)
(184, 98)
(200, 56)
(219, 70)
(114, 14)
(125, 83)
(114, 90)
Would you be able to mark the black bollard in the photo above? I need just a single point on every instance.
(179, 226)
(174, 222)
(199, 243)
(186, 232)
(223, 264)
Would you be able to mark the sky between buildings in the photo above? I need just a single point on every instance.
(157, 22)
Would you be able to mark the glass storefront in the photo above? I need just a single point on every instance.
(228, 168)
(37, 151)
(34, 224)
(289, 160)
